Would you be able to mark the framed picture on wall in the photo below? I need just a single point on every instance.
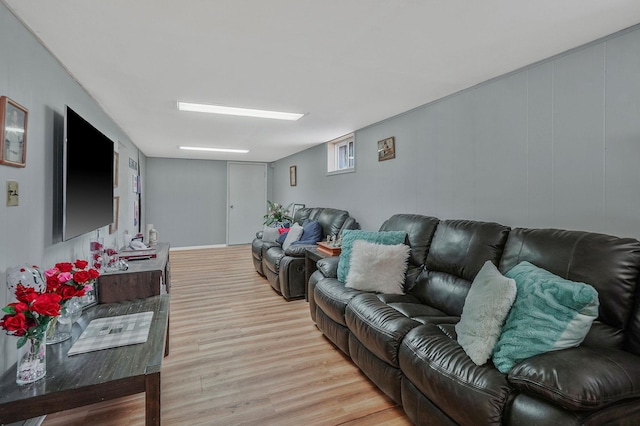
(293, 178)
(295, 208)
(13, 125)
(387, 149)
(116, 212)
(116, 166)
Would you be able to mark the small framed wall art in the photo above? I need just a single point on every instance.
(295, 208)
(293, 176)
(13, 125)
(387, 149)
(116, 167)
(113, 227)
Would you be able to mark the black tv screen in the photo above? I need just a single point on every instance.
(88, 177)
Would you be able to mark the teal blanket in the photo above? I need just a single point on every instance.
(549, 313)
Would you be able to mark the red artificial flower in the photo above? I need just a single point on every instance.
(19, 307)
(52, 284)
(16, 324)
(67, 292)
(25, 294)
(93, 274)
(80, 264)
(64, 266)
(81, 277)
(47, 304)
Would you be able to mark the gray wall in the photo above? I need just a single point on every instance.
(556, 144)
(186, 200)
(32, 77)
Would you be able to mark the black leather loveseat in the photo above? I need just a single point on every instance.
(285, 269)
(407, 344)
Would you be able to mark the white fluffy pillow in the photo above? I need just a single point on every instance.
(294, 234)
(485, 310)
(378, 267)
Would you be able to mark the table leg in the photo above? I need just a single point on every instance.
(152, 399)
(308, 264)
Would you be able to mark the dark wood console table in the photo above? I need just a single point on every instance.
(83, 379)
(144, 278)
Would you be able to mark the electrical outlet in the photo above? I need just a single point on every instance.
(12, 193)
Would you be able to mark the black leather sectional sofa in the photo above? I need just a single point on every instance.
(407, 344)
(285, 269)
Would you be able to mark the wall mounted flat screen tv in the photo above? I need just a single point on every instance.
(87, 177)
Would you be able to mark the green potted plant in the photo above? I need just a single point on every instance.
(277, 215)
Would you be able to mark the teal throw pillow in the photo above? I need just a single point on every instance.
(550, 313)
(351, 235)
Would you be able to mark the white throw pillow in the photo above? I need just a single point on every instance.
(295, 232)
(485, 310)
(378, 267)
(270, 234)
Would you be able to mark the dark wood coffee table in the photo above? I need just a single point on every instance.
(83, 379)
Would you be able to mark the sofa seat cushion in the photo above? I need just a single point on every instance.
(411, 307)
(331, 297)
(413, 310)
(379, 327)
(436, 365)
(580, 378)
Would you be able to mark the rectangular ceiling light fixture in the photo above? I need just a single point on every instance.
(244, 112)
(200, 148)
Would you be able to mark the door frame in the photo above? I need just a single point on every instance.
(228, 201)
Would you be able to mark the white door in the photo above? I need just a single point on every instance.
(246, 201)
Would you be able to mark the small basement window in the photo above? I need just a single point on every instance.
(341, 154)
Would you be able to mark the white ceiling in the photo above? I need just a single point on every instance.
(344, 63)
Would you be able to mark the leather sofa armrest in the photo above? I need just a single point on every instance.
(581, 378)
(329, 266)
(259, 235)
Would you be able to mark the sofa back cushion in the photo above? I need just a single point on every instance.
(609, 264)
(331, 220)
(458, 251)
(420, 230)
(302, 215)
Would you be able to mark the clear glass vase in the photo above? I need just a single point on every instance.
(32, 360)
(60, 327)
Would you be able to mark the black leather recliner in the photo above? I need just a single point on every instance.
(407, 344)
(285, 270)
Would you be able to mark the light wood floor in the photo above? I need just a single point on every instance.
(242, 355)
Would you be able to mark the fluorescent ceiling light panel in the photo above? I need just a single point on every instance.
(244, 112)
(201, 148)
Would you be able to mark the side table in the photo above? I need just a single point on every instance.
(311, 256)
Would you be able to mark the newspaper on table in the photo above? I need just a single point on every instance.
(112, 332)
